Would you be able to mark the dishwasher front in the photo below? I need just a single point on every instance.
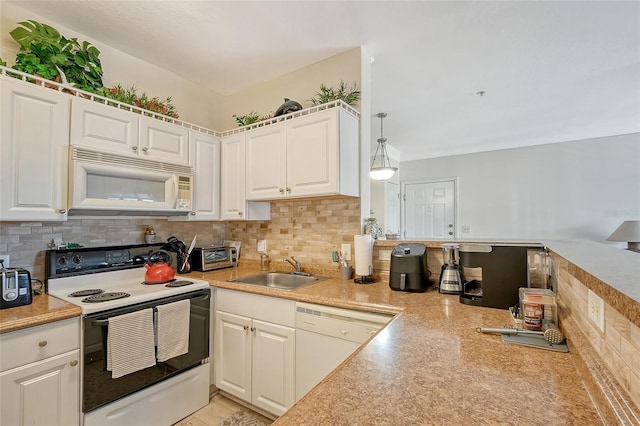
(325, 337)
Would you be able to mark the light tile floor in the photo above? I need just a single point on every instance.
(219, 409)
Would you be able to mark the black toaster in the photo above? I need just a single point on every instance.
(16, 287)
(409, 271)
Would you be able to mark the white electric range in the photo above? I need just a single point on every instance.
(108, 282)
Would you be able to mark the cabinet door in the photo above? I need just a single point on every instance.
(33, 152)
(205, 158)
(273, 367)
(44, 393)
(233, 354)
(232, 165)
(163, 141)
(104, 128)
(312, 155)
(266, 168)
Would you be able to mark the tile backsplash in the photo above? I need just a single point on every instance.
(306, 229)
(618, 346)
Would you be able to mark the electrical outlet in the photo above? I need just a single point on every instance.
(384, 255)
(466, 228)
(596, 310)
(346, 251)
(5, 260)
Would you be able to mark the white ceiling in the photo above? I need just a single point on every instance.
(551, 71)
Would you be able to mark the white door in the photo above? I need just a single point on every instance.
(273, 366)
(392, 207)
(205, 157)
(233, 355)
(429, 209)
(42, 393)
(312, 155)
(34, 138)
(103, 127)
(266, 163)
(161, 141)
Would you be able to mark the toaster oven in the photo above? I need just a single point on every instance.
(16, 288)
(213, 257)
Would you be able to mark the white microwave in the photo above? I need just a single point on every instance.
(106, 184)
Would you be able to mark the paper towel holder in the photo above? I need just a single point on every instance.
(365, 279)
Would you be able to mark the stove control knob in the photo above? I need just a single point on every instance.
(62, 261)
(77, 259)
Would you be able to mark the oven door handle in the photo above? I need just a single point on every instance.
(104, 322)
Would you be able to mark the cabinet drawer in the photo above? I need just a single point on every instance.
(36, 343)
(265, 308)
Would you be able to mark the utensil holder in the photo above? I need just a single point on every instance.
(346, 272)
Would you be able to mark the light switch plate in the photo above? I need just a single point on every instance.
(262, 246)
(595, 308)
(346, 251)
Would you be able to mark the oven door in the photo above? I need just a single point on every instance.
(99, 388)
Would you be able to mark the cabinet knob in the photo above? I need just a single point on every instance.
(145, 149)
(74, 363)
(192, 213)
(245, 327)
(240, 214)
(62, 211)
(134, 148)
(253, 329)
(281, 190)
(288, 190)
(42, 344)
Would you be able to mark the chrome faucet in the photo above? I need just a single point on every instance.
(295, 264)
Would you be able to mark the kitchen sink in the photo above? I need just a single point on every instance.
(281, 280)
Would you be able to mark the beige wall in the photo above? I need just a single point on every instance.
(300, 85)
(195, 104)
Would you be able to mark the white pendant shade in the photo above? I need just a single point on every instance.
(384, 170)
(382, 173)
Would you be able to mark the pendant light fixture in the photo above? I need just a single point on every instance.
(384, 170)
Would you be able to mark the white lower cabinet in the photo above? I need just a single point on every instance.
(40, 375)
(255, 349)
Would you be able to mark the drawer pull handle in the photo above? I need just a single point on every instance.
(42, 344)
(74, 363)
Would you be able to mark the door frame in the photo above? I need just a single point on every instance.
(456, 202)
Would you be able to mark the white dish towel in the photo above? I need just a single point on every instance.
(173, 329)
(130, 343)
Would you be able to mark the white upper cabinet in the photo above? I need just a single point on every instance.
(312, 155)
(107, 128)
(33, 152)
(205, 158)
(234, 205)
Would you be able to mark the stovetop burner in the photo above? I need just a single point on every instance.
(105, 297)
(87, 292)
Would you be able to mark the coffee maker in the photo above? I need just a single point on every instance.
(451, 276)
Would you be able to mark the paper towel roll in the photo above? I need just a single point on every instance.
(363, 247)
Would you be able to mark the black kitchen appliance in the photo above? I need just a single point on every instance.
(16, 287)
(451, 275)
(494, 274)
(409, 270)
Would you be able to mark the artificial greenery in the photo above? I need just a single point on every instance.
(2, 63)
(47, 53)
(250, 118)
(349, 95)
(129, 95)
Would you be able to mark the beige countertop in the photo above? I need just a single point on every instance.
(42, 310)
(430, 366)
